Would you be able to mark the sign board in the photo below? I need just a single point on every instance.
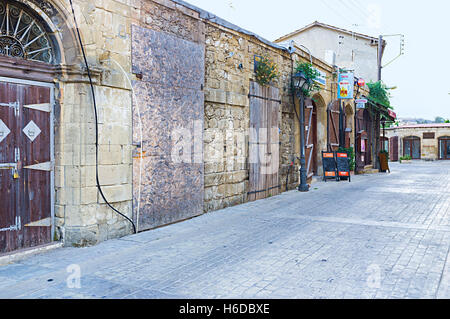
(363, 101)
(322, 78)
(329, 165)
(360, 106)
(346, 84)
(392, 114)
(343, 166)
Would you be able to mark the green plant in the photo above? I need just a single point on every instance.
(385, 152)
(266, 70)
(379, 93)
(405, 158)
(351, 156)
(311, 75)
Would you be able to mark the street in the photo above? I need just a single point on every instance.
(380, 236)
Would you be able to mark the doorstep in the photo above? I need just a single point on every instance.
(18, 255)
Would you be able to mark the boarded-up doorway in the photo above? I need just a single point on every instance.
(263, 141)
(168, 108)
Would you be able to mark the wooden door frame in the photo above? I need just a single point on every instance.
(51, 86)
(447, 141)
(412, 138)
(311, 139)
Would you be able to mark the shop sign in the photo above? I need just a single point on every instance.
(346, 85)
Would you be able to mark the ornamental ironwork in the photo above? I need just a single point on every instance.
(22, 35)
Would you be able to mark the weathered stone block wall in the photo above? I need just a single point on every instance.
(82, 216)
(229, 70)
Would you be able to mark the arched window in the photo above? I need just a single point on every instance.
(444, 148)
(22, 35)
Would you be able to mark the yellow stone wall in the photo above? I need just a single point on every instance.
(429, 148)
(82, 217)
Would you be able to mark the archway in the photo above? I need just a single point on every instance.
(311, 138)
(321, 130)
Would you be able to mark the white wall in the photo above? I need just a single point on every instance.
(354, 53)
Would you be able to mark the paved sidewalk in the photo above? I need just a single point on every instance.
(381, 236)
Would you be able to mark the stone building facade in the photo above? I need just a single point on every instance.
(157, 67)
(422, 141)
(349, 50)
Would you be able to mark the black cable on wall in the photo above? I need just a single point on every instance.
(96, 121)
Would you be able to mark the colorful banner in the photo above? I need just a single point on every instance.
(346, 85)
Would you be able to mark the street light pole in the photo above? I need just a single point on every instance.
(300, 84)
(303, 187)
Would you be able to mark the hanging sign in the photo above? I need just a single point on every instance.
(392, 114)
(361, 82)
(322, 78)
(346, 85)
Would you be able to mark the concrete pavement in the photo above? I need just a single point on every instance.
(381, 236)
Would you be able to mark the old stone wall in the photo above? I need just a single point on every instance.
(81, 216)
(229, 70)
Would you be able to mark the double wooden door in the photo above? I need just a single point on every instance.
(411, 147)
(444, 148)
(26, 165)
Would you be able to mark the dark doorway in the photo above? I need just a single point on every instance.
(411, 147)
(444, 148)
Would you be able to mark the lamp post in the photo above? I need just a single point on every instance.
(301, 83)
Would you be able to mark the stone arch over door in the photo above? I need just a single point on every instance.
(55, 21)
(321, 123)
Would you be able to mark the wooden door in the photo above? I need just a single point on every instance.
(310, 138)
(393, 148)
(334, 115)
(411, 147)
(25, 166)
(444, 148)
(263, 141)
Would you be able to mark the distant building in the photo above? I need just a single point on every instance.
(340, 47)
(421, 141)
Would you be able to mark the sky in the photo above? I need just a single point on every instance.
(421, 75)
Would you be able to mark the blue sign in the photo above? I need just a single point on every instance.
(346, 84)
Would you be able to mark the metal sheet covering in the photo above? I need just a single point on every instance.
(168, 170)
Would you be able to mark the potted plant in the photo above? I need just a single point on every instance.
(405, 159)
(266, 70)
